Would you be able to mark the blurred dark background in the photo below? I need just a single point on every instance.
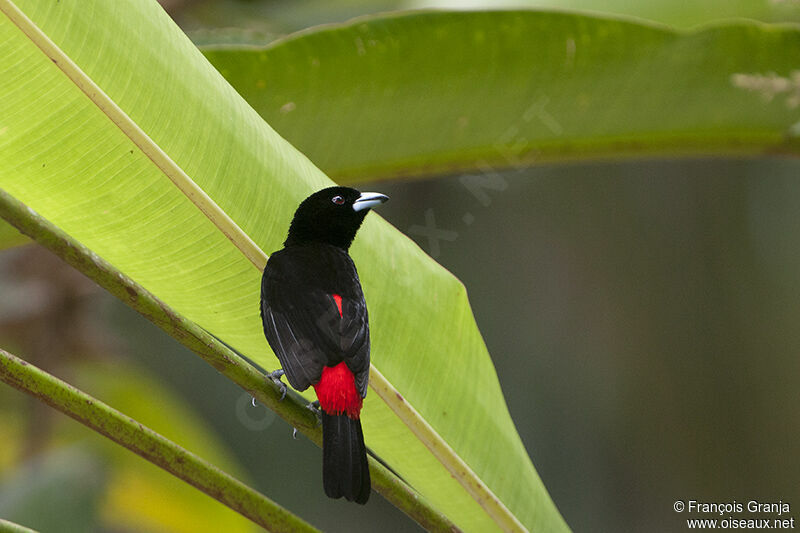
(642, 317)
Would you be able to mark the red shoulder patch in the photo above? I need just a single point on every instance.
(338, 300)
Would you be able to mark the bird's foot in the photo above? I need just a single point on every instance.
(276, 379)
(314, 408)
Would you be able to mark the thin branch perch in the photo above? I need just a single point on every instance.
(148, 444)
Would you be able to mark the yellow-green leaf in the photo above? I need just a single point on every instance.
(440, 92)
(117, 130)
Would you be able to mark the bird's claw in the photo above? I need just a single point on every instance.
(314, 408)
(276, 379)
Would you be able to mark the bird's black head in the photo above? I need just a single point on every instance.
(331, 216)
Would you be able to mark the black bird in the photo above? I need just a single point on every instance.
(315, 319)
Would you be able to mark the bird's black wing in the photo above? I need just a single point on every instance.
(301, 317)
(355, 339)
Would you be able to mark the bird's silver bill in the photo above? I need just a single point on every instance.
(369, 199)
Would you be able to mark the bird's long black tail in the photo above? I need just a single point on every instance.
(344, 458)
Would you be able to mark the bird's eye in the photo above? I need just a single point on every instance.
(338, 200)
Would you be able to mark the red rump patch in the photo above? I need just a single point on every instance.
(338, 300)
(336, 391)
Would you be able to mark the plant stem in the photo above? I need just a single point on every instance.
(148, 444)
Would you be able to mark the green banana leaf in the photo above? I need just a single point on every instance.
(679, 14)
(107, 106)
(258, 21)
(438, 92)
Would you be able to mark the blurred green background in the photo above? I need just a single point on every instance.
(641, 317)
